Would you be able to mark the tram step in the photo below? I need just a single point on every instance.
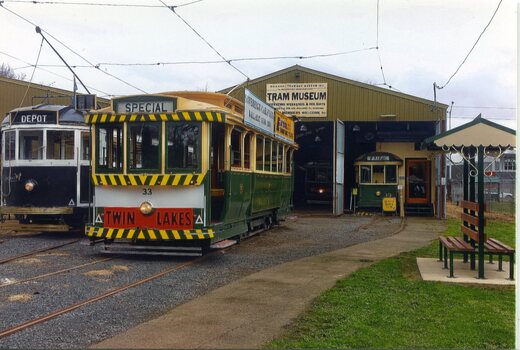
(150, 250)
(223, 244)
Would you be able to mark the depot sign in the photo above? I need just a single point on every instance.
(30, 118)
(307, 100)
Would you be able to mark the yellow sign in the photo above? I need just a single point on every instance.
(283, 126)
(354, 191)
(389, 204)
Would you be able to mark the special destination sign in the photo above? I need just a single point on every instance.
(307, 100)
(258, 114)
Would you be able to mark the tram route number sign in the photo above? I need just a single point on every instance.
(160, 218)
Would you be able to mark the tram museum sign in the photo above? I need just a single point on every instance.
(303, 100)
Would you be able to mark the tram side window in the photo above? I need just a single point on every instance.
(280, 158)
(267, 156)
(259, 152)
(110, 147)
(288, 160)
(236, 155)
(144, 146)
(274, 156)
(183, 145)
(31, 144)
(9, 151)
(85, 145)
(366, 174)
(247, 151)
(60, 144)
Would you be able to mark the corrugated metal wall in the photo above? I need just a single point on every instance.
(350, 100)
(12, 94)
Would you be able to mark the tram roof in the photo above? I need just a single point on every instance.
(65, 114)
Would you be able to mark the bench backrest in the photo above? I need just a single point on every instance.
(471, 220)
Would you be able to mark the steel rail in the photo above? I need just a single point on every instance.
(11, 330)
(55, 272)
(37, 251)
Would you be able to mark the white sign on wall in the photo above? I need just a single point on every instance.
(258, 114)
(299, 99)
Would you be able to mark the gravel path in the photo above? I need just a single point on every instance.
(298, 237)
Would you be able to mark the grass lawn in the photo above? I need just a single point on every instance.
(388, 306)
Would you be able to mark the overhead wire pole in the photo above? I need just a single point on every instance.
(39, 31)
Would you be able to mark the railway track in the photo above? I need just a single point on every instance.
(33, 252)
(27, 324)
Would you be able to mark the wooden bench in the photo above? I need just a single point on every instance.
(492, 246)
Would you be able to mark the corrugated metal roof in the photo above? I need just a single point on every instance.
(351, 100)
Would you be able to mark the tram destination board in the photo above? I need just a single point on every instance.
(161, 218)
(36, 117)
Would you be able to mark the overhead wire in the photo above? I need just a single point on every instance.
(471, 50)
(172, 9)
(35, 2)
(73, 51)
(46, 70)
(379, 53)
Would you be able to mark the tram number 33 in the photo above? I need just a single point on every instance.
(147, 191)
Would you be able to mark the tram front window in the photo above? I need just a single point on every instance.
(144, 146)
(31, 144)
(183, 145)
(9, 151)
(110, 147)
(60, 144)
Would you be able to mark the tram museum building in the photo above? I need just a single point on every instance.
(358, 143)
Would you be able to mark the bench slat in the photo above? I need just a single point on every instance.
(468, 231)
(473, 220)
(471, 205)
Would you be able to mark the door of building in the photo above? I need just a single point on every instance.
(418, 181)
(339, 167)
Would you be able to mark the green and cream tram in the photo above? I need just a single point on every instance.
(180, 172)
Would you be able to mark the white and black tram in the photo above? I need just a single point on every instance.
(45, 166)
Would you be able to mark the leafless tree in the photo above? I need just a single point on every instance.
(8, 72)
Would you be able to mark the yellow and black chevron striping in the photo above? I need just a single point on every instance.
(148, 180)
(147, 234)
(207, 116)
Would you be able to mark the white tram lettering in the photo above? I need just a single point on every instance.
(145, 107)
(33, 118)
(119, 218)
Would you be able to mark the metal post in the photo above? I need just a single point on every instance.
(480, 212)
(465, 195)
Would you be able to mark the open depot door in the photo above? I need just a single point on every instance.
(339, 167)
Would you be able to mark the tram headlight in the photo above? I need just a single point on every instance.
(378, 193)
(30, 185)
(146, 208)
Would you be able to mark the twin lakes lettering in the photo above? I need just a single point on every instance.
(145, 107)
(161, 218)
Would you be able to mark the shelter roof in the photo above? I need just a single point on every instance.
(478, 132)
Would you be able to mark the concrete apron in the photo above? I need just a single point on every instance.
(255, 309)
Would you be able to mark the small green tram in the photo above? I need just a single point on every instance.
(377, 175)
(180, 173)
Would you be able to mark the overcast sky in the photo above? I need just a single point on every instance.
(420, 42)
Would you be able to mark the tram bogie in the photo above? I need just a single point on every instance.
(186, 178)
(45, 167)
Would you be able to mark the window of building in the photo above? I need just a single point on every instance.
(236, 145)
(509, 164)
(10, 139)
(183, 145)
(259, 152)
(60, 144)
(144, 141)
(110, 147)
(31, 144)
